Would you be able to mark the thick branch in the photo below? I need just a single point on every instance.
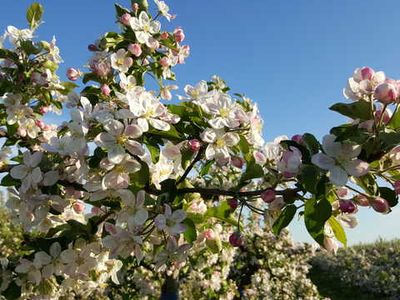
(219, 192)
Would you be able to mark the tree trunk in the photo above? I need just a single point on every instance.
(170, 289)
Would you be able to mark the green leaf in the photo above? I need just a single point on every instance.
(9, 181)
(190, 233)
(120, 10)
(172, 133)
(356, 110)
(390, 139)
(206, 168)
(284, 219)
(309, 177)
(29, 47)
(368, 184)
(338, 230)
(349, 132)
(395, 120)
(311, 143)
(140, 179)
(389, 195)
(316, 213)
(34, 15)
(253, 170)
(222, 212)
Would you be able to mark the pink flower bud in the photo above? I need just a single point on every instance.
(135, 49)
(194, 145)
(43, 110)
(342, 192)
(268, 196)
(298, 138)
(209, 234)
(259, 157)
(164, 62)
(361, 200)
(347, 206)
(73, 74)
(397, 187)
(78, 207)
(46, 127)
(367, 73)
(386, 93)
(40, 124)
(233, 203)
(96, 210)
(124, 19)
(164, 35)
(237, 162)
(135, 7)
(236, 239)
(92, 47)
(105, 90)
(179, 35)
(380, 205)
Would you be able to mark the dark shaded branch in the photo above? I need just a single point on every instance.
(195, 160)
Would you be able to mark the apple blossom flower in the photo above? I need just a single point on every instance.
(171, 222)
(223, 112)
(118, 138)
(340, 159)
(16, 35)
(163, 9)
(363, 83)
(28, 172)
(290, 162)
(120, 61)
(179, 35)
(100, 64)
(219, 142)
(172, 253)
(195, 93)
(386, 92)
(73, 74)
(124, 243)
(165, 92)
(144, 28)
(118, 175)
(127, 83)
(133, 213)
(148, 110)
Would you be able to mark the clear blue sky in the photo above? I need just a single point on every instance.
(292, 57)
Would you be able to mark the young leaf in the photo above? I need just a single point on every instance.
(34, 15)
(316, 213)
(284, 219)
(190, 233)
(356, 110)
(338, 230)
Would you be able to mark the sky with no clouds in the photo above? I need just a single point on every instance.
(292, 57)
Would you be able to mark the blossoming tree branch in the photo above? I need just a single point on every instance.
(133, 177)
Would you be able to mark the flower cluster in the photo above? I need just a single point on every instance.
(372, 268)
